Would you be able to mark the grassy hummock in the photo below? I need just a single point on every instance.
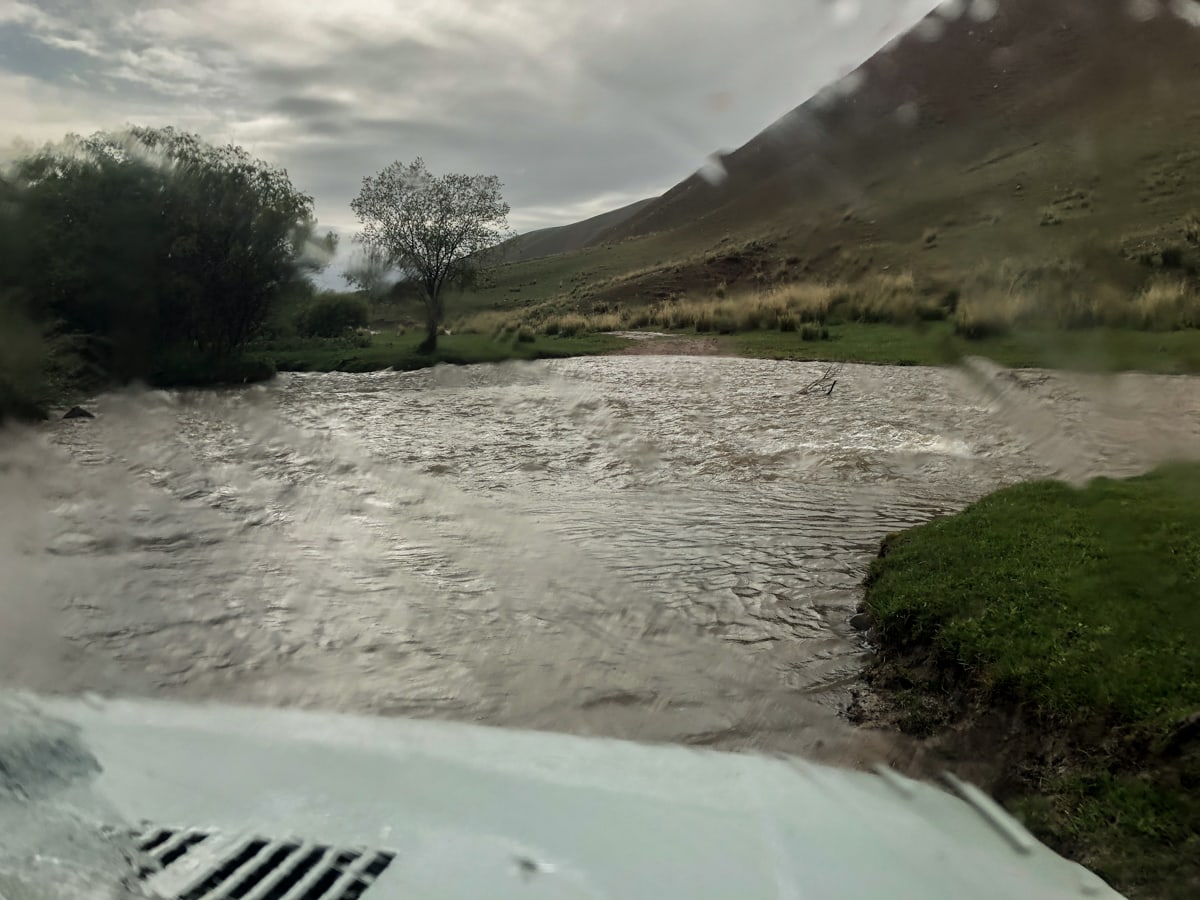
(1075, 613)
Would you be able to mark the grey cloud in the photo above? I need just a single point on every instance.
(565, 103)
(349, 62)
(320, 108)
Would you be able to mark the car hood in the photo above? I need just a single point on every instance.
(161, 798)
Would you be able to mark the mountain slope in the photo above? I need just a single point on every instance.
(1049, 135)
(951, 88)
(565, 238)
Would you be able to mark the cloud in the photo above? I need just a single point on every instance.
(577, 107)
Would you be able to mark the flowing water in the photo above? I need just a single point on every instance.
(661, 548)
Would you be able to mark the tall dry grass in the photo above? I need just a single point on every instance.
(985, 314)
(990, 303)
(1164, 305)
(1167, 305)
(881, 298)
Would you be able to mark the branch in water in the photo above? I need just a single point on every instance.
(827, 382)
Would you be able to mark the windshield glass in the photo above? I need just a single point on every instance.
(735, 376)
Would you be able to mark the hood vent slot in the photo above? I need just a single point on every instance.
(189, 864)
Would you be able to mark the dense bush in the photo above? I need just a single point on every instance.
(151, 244)
(332, 315)
(21, 382)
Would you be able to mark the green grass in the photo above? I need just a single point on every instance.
(400, 352)
(934, 344)
(1080, 610)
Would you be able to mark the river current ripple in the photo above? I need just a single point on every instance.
(656, 548)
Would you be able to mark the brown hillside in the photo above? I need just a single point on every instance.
(951, 89)
(565, 238)
(1051, 149)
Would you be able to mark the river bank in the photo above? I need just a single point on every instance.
(928, 344)
(67, 382)
(1043, 643)
(399, 352)
(936, 344)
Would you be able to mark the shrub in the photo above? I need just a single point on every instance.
(332, 315)
(881, 298)
(525, 336)
(787, 323)
(989, 314)
(1191, 229)
(749, 320)
(1167, 305)
(569, 326)
(813, 332)
(1172, 257)
(806, 299)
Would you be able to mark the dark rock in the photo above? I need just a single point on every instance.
(78, 412)
(860, 622)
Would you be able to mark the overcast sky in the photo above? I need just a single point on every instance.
(579, 106)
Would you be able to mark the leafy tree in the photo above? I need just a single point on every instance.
(435, 228)
(152, 242)
(241, 234)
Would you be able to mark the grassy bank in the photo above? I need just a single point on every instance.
(1014, 316)
(1053, 631)
(394, 351)
(935, 344)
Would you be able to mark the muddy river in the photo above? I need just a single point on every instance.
(659, 548)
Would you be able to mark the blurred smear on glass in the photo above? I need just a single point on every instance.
(58, 837)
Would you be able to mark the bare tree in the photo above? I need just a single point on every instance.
(436, 228)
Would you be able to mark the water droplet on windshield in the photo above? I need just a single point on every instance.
(930, 29)
(713, 171)
(844, 12)
(1188, 10)
(983, 10)
(907, 114)
(1143, 10)
(952, 9)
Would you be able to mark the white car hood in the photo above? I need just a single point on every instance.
(459, 811)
